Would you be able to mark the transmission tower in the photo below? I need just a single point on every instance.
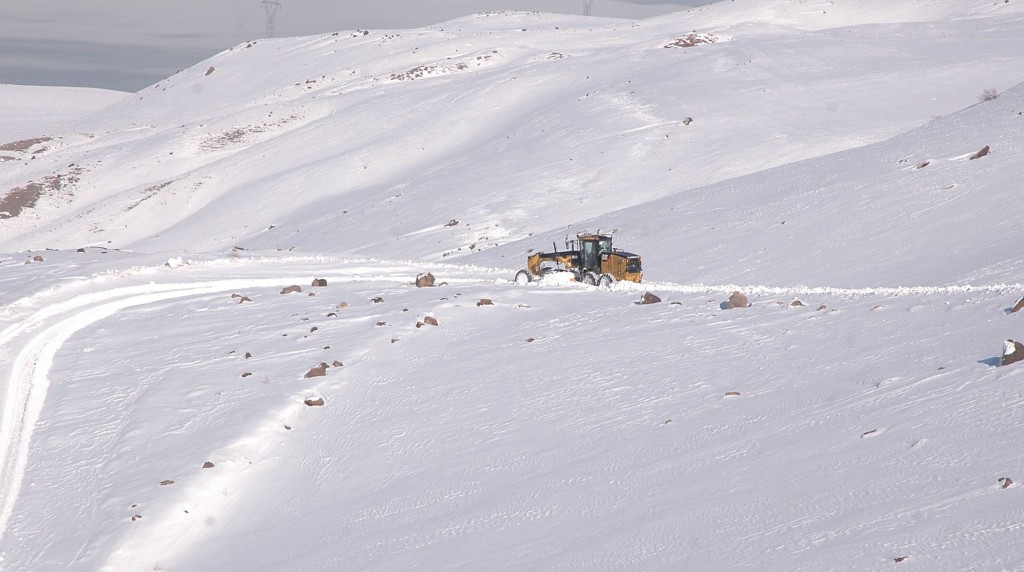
(272, 7)
(587, 5)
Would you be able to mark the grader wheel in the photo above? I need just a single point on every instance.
(524, 277)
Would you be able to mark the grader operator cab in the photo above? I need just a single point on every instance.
(590, 258)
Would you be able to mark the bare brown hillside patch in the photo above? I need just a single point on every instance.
(148, 194)
(691, 40)
(237, 135)
(24, 144)
(17, 200)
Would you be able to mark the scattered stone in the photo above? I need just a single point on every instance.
(899, 559)
(311, 294)
(675, 303)
(530, 340)
(981, 153)
(332, 315)
(81, 250)
(337, 363)
(210, 70)
(393, 340)
(452, 222)
(318, 402)
(318, 371)
(425, 280)
(822, 307)
(1012, 352)
(292, 288)
(342, 305)
(377, 300)
(247, 374)
(247, 355)
(428, 321)
(313, 329)
(207, 465)
(319, 282)
(738, 300)
(796, 303)
(732, 394)
(1018, 305)
(136, 517)
(382, 323)
(649, 298)
(287, 427)
(869, 433)
(166, 482)
(37, 258)
(1006, 481)
(485, 302)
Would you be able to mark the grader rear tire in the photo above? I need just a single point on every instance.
(606, 280)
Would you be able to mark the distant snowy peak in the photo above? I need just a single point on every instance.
(825, 14)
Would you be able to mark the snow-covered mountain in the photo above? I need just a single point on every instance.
(850, 166)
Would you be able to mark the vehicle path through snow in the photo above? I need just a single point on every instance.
(35, 340)
(43, 322)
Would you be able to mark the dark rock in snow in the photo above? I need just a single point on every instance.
(319, 282)
(649, 298)
(425, 280)
(292, 288)
(981, 153)
(428, 321)
(1006, 482)
(738, 300)
(1018, 305)
(318, 402)
(1012, 352)
(318, 371)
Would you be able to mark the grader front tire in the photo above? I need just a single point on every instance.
(524, 277)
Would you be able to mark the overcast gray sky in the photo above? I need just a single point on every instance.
(130, 44)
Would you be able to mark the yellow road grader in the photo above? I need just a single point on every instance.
(591, 259)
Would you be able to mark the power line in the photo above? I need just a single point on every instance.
(587, 5)
(272, 7)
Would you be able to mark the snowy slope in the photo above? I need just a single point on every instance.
(22, 116)
(514, 123)
(154, 410)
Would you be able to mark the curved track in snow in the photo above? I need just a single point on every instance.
(32, 343)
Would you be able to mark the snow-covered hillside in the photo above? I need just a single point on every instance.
(824, 157)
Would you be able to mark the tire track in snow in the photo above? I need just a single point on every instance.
(881, 292)
(37, 338)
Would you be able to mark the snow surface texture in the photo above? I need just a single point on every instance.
(823, 157)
